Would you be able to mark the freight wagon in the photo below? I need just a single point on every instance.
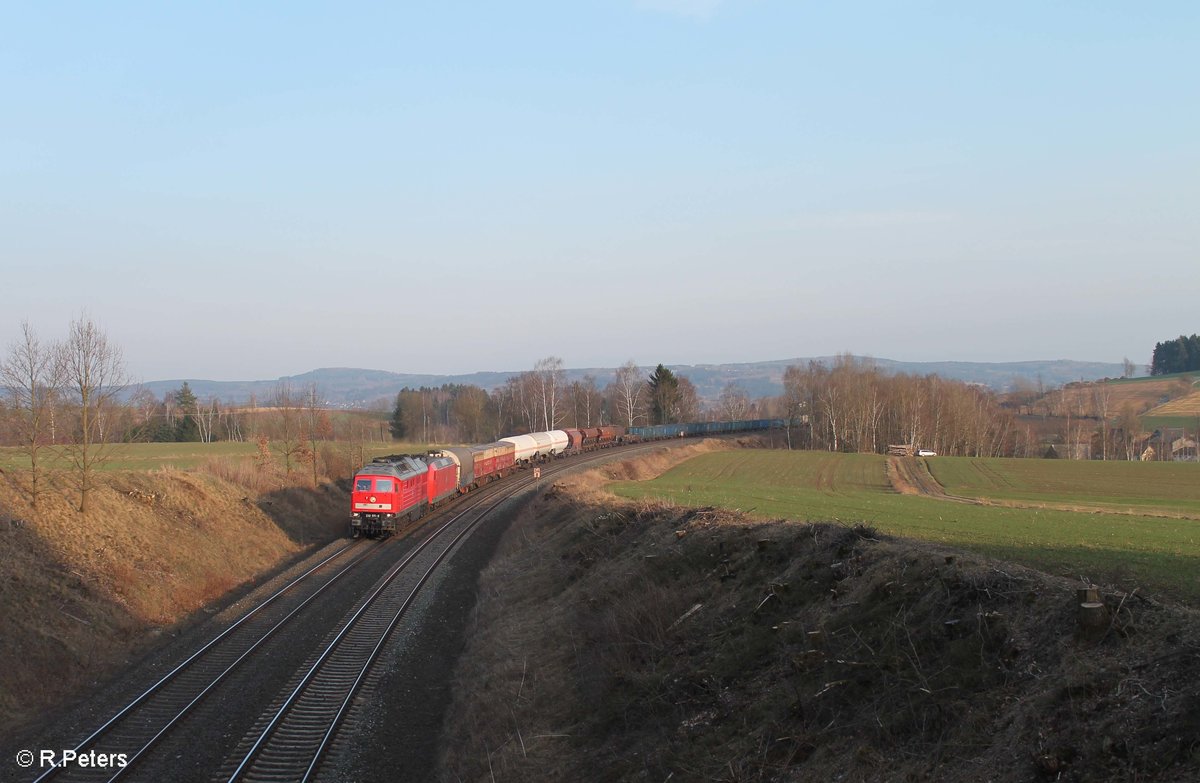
(698, 428)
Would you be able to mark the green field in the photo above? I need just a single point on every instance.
(1189, 423)
(1155, 554)
(1150, 487)
(184, 456)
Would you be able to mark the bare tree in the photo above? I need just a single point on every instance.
(206, 417)
(312, 425)
(470, 409)
(733, 402)
(1102, 402)
(145, 405)
(798, 402)
(356, 440)
(502, 400)
(549, 385)
(687, 400)
(31, 375)
(521, 391)
(629, 389)
(289, 441)
(93, 377)
(587, 404)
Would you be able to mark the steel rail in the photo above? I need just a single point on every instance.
(190, 660)
(377, 640)
(352, 623)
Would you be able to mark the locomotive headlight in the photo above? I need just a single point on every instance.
(371, 499)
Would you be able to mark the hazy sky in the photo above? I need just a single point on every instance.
(243, 191)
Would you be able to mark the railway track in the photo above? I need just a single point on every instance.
(139, 725)
(290, 740)
(301, 724)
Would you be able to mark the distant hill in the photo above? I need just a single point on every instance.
(351, 387)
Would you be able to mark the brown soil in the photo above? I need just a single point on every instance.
(911, 476)
(618, 641)
(81, 594)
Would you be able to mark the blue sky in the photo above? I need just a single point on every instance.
(239, 192)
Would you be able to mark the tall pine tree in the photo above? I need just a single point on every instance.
(1179, 355)
(664, 396)
(186, 430)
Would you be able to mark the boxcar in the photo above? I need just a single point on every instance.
(480, 464)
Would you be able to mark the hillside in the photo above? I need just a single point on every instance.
(357, 387)
(1143, 394)
(641, 641)
(1185, 409)
(82, 594)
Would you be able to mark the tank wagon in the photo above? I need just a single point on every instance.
(538, 446)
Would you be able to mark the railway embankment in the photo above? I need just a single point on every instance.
(622, 640)
(82, 595)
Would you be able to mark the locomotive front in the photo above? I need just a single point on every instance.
(381, 494)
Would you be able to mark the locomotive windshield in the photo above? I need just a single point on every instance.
(383, 485)
(362, 485)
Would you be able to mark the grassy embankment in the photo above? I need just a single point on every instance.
(1132, 550)
(171, 528)
(185, 456)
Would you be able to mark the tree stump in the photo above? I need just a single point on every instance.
(1093, 619)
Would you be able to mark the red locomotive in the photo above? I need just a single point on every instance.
(398, 488)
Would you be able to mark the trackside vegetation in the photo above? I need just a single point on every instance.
(1141, 549)
(644, 640)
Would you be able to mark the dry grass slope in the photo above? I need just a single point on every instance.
(1184, 406)
(80, 594)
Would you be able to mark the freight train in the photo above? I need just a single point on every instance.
(392, 491)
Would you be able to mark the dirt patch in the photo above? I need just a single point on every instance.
(616, 641)
(911, 476)
(80, 595)
(653, 465)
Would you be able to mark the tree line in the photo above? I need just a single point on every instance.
(1179, 355)
(68, 403)
(853, 406)
(542, 399)
(73, 397)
